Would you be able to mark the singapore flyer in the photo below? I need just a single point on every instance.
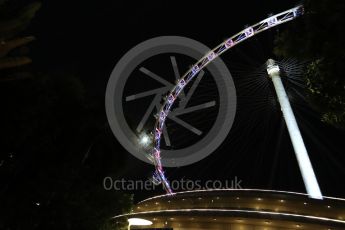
(263, 25)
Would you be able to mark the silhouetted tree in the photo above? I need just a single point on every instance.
(14, 21)
(47, 127)
(318, 37)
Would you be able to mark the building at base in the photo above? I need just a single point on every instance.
(245, 209)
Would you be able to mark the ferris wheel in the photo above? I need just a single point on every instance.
(272, 21)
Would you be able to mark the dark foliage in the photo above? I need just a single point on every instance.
(318, 37)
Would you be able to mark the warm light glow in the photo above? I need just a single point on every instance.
(257, 190)
(281, 214)
(138, 222)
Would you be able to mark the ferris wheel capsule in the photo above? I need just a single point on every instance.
(211, 56)
(155, 179)
(158, 134)
(299, 11)
(229, 43)
(272, 21)
(249, 32)
(195, 69)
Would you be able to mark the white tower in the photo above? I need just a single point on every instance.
(304, 163)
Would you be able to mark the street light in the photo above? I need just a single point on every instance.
(144, 140)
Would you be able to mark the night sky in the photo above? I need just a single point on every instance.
(87, 38)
